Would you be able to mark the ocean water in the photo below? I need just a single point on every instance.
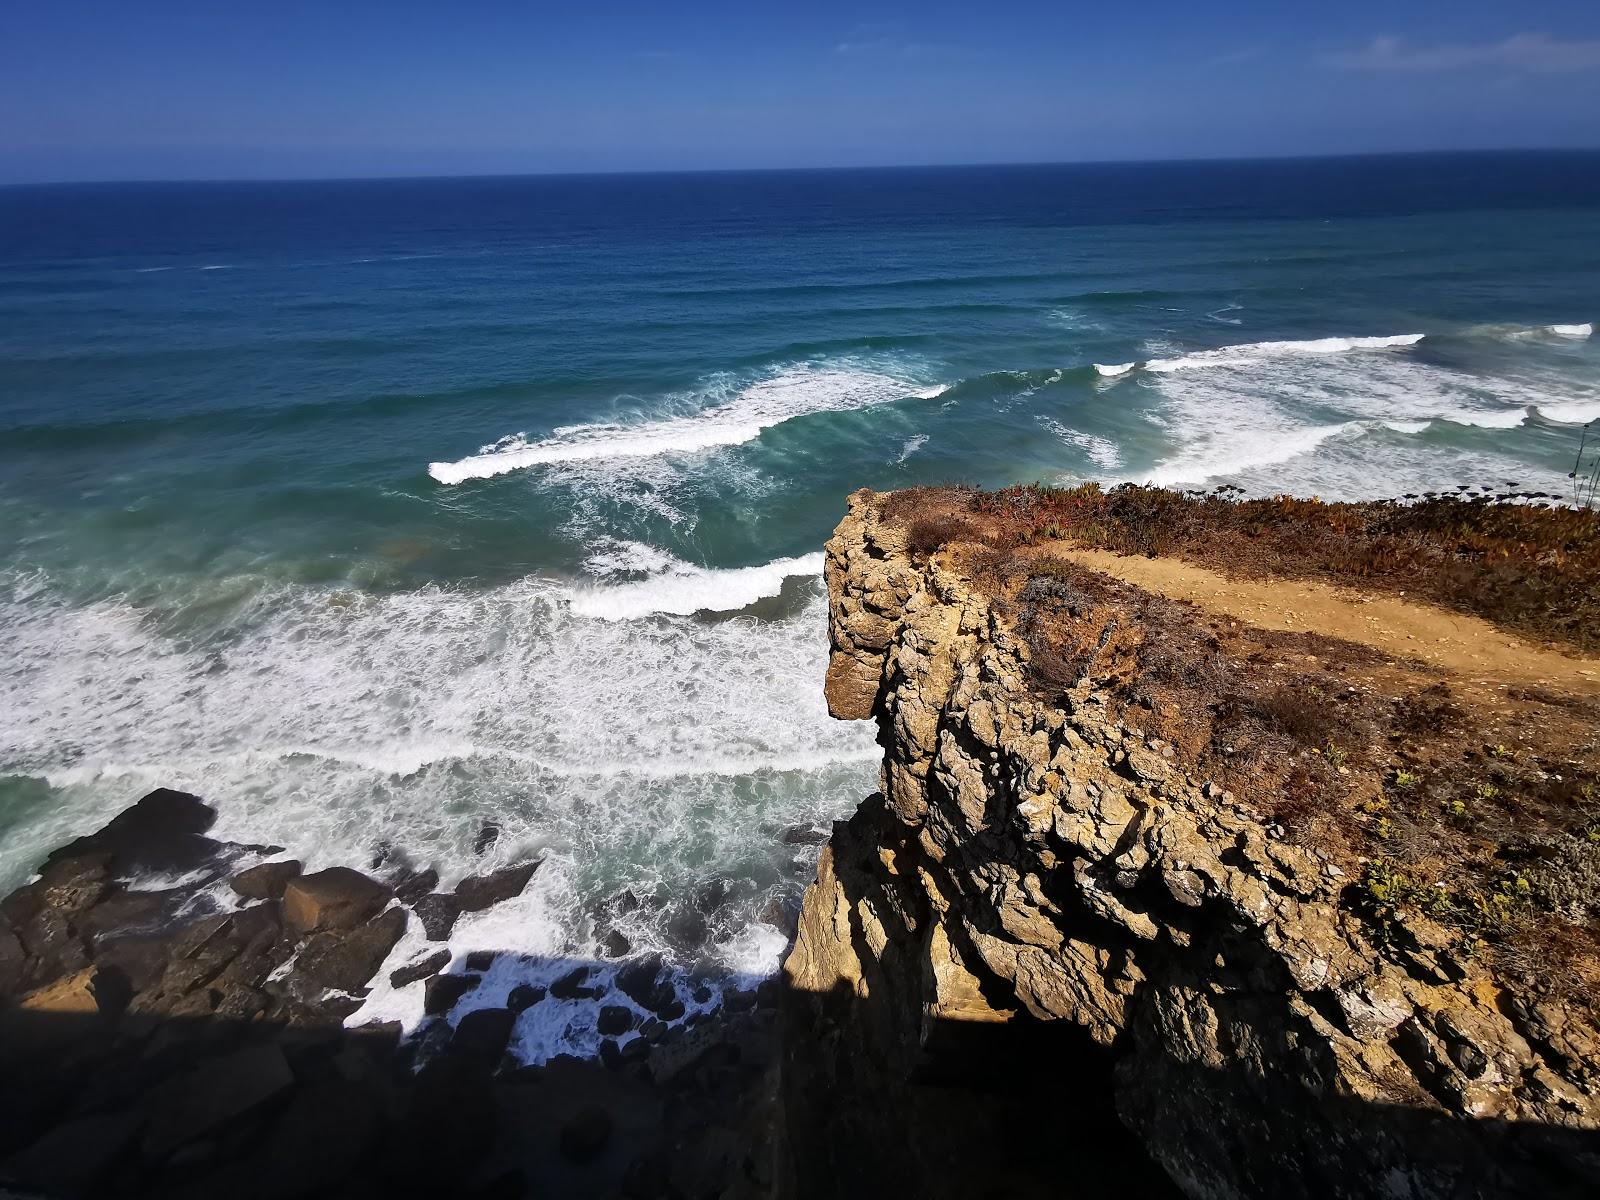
(375, 511)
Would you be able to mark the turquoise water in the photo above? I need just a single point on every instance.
(372, 511)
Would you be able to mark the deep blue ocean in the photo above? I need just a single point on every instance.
(373, 511)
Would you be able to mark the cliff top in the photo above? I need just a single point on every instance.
(1405, 685)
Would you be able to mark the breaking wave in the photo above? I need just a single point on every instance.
(795, 392)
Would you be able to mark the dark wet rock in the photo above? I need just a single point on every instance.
(478, 892)
(410, 884)
(447, 1126)
(782, 914)
(524, 996)
(635, 1050)
(585, 1135)
(75, 1157)
(624, 902)
(192, 1105)
(646, 983)
(483, 1033)
(646, 1177)
(13, 964)
(438, 913)
(442, 992)
(488, 835)
(654, 1028)
(614, 1019)
(615, 944)
(508, 1185)
(611, 1055)
(122, 913)
(421, 968)
(318, 1143)
(671, 1011)
(266, 881)
(163, 832)
(712, 896)
(347, 960)
(571, 986)
(687, 929)
(480, 960)
(337, 898)
(394, 867)
(703, 994)
(803, 835)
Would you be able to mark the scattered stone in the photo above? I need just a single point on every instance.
(266, 881)
(524, 996)
(616, 945)
(584, 1136)
(571, 986)
(614, 1019)
(483, 1033)
(646, 983)
(337, 898)
(478, 892)
(438, 913)
(346, 961)
(442, 991)
(480, 960)
(421, 968)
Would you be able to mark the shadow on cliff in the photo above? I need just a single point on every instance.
(882, 1096)
(99, 1101)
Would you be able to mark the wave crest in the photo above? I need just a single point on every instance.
(795, 392)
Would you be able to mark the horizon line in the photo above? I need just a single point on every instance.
(803, 169)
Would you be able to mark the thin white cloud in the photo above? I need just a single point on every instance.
(1529, 52)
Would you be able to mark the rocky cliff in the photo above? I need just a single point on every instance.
(1050, 915)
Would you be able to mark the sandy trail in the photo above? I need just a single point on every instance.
(1451, 641)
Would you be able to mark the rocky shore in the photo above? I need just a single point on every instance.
(1232, 885)
(173, 1022)
(1170, 896)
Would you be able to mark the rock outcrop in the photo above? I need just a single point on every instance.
(1046, 917)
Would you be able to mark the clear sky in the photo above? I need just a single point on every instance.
(160, 89)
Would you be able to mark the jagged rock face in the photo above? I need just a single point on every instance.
(1035, 869)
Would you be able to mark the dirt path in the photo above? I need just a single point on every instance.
(1454, 642)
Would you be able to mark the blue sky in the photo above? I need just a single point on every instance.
(226, 88)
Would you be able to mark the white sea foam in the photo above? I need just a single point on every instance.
(682, 589)
(1101, 451)
(912, 444)
(1573, 331)
(1278, 408)
(1244, 450)
(794, 392)
(1113, 370)
(628, 753)
(1254, 352)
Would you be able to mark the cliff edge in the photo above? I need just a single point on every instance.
(1198, 871)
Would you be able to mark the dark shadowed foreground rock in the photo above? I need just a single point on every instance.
(153, 1044)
